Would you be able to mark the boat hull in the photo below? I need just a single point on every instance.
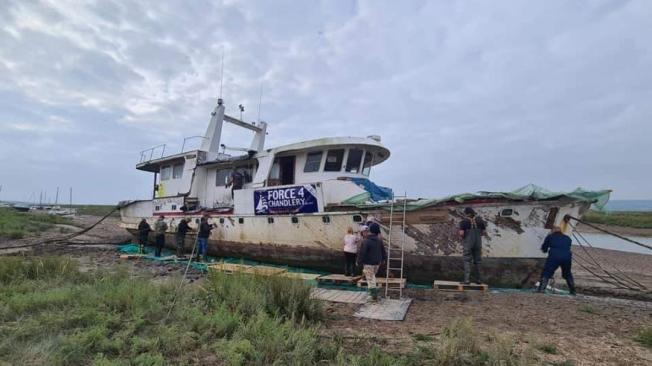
(511, 254)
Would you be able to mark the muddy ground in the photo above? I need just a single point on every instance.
(586, 330)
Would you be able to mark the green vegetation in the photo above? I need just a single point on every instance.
(95, 210)
(586, 308)
(547, 348)
(16, 225)
(51, 313)
(644, 337)
(641, 220)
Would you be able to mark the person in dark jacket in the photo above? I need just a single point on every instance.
(202, 238)
(372, 255)
(471, 230)
(160, 227)
(143, 234)
(558, 247)
(182, 229)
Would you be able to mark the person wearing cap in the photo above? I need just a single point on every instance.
(143, 233)
(471, 230)
(558, 246)
(372, 255)
(160, 227)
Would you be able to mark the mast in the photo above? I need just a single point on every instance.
(56, 199)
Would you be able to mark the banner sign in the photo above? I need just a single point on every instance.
(286, 200)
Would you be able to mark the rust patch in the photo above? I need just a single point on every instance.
(508, 223)
(440, 238)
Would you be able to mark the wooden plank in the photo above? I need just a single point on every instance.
(265, 270)
(344, 296)
(301, 276)
(338, 279)
(385, 309)
(380, 282)
(228, 267)
(458, 286)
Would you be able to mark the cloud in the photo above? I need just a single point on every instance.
(467, 95)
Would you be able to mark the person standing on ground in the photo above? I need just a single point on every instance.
(558, 246)
(160, 227)
(471, 230)
(143, 234)
(350, 252)
(372, 255)
(202, 238)
(182, 229)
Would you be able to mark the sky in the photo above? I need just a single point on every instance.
(468, 95)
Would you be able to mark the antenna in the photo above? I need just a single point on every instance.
(222, 73)
(260, 100)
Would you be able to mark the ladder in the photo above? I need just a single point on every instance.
(395, 253)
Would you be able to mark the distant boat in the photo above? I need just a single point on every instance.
(21, 207)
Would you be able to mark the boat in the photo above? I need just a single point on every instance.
(298, 200)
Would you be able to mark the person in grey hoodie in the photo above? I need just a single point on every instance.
(372, 255)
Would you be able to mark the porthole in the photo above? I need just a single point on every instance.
(295, 220)
(357, 218)
(326, 219)
(270, 220)
(221, 220)
(240, 220)
(506, 212)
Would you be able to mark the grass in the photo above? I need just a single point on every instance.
(641, 220)
(547, 348)
(586, 308)
(644, 337)
(53, 314)
(16, 225)
(95, 210)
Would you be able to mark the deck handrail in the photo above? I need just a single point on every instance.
(143, 154)
(183, 146)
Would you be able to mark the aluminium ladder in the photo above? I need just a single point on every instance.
(395, 254)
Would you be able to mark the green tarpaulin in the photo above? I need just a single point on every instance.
(529, 192)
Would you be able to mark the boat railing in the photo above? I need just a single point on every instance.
(183, 146)
(148, 154)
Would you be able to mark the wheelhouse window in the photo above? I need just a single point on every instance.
(334, 160)
(247, 172)
(353, 160)
(366, 164)
(313, 162)
(166, 171)
(221, 176)
(177, 171)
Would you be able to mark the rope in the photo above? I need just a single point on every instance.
(624, 277)
(183, 279)
(611, 233)
(63, 238)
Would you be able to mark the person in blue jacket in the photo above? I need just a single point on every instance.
(558, 247)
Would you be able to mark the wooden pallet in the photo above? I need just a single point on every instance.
(346, 296)
(230, 268)
(458, 286)
(338, 279)
(132, 256)
(380, 282)
(301, 276)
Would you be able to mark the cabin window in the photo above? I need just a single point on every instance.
(334, 160)
(221, 177)
(166, 172)
(313, 162)
(177, 171)
(353, 161)
(366, 164)
(282, 171)
(357, 218)
(506, 212)
(247, 171)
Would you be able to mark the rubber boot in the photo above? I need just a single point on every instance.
(542, 285)
(571, 286)
(467, 273)
(374, 294)
(476, 274)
